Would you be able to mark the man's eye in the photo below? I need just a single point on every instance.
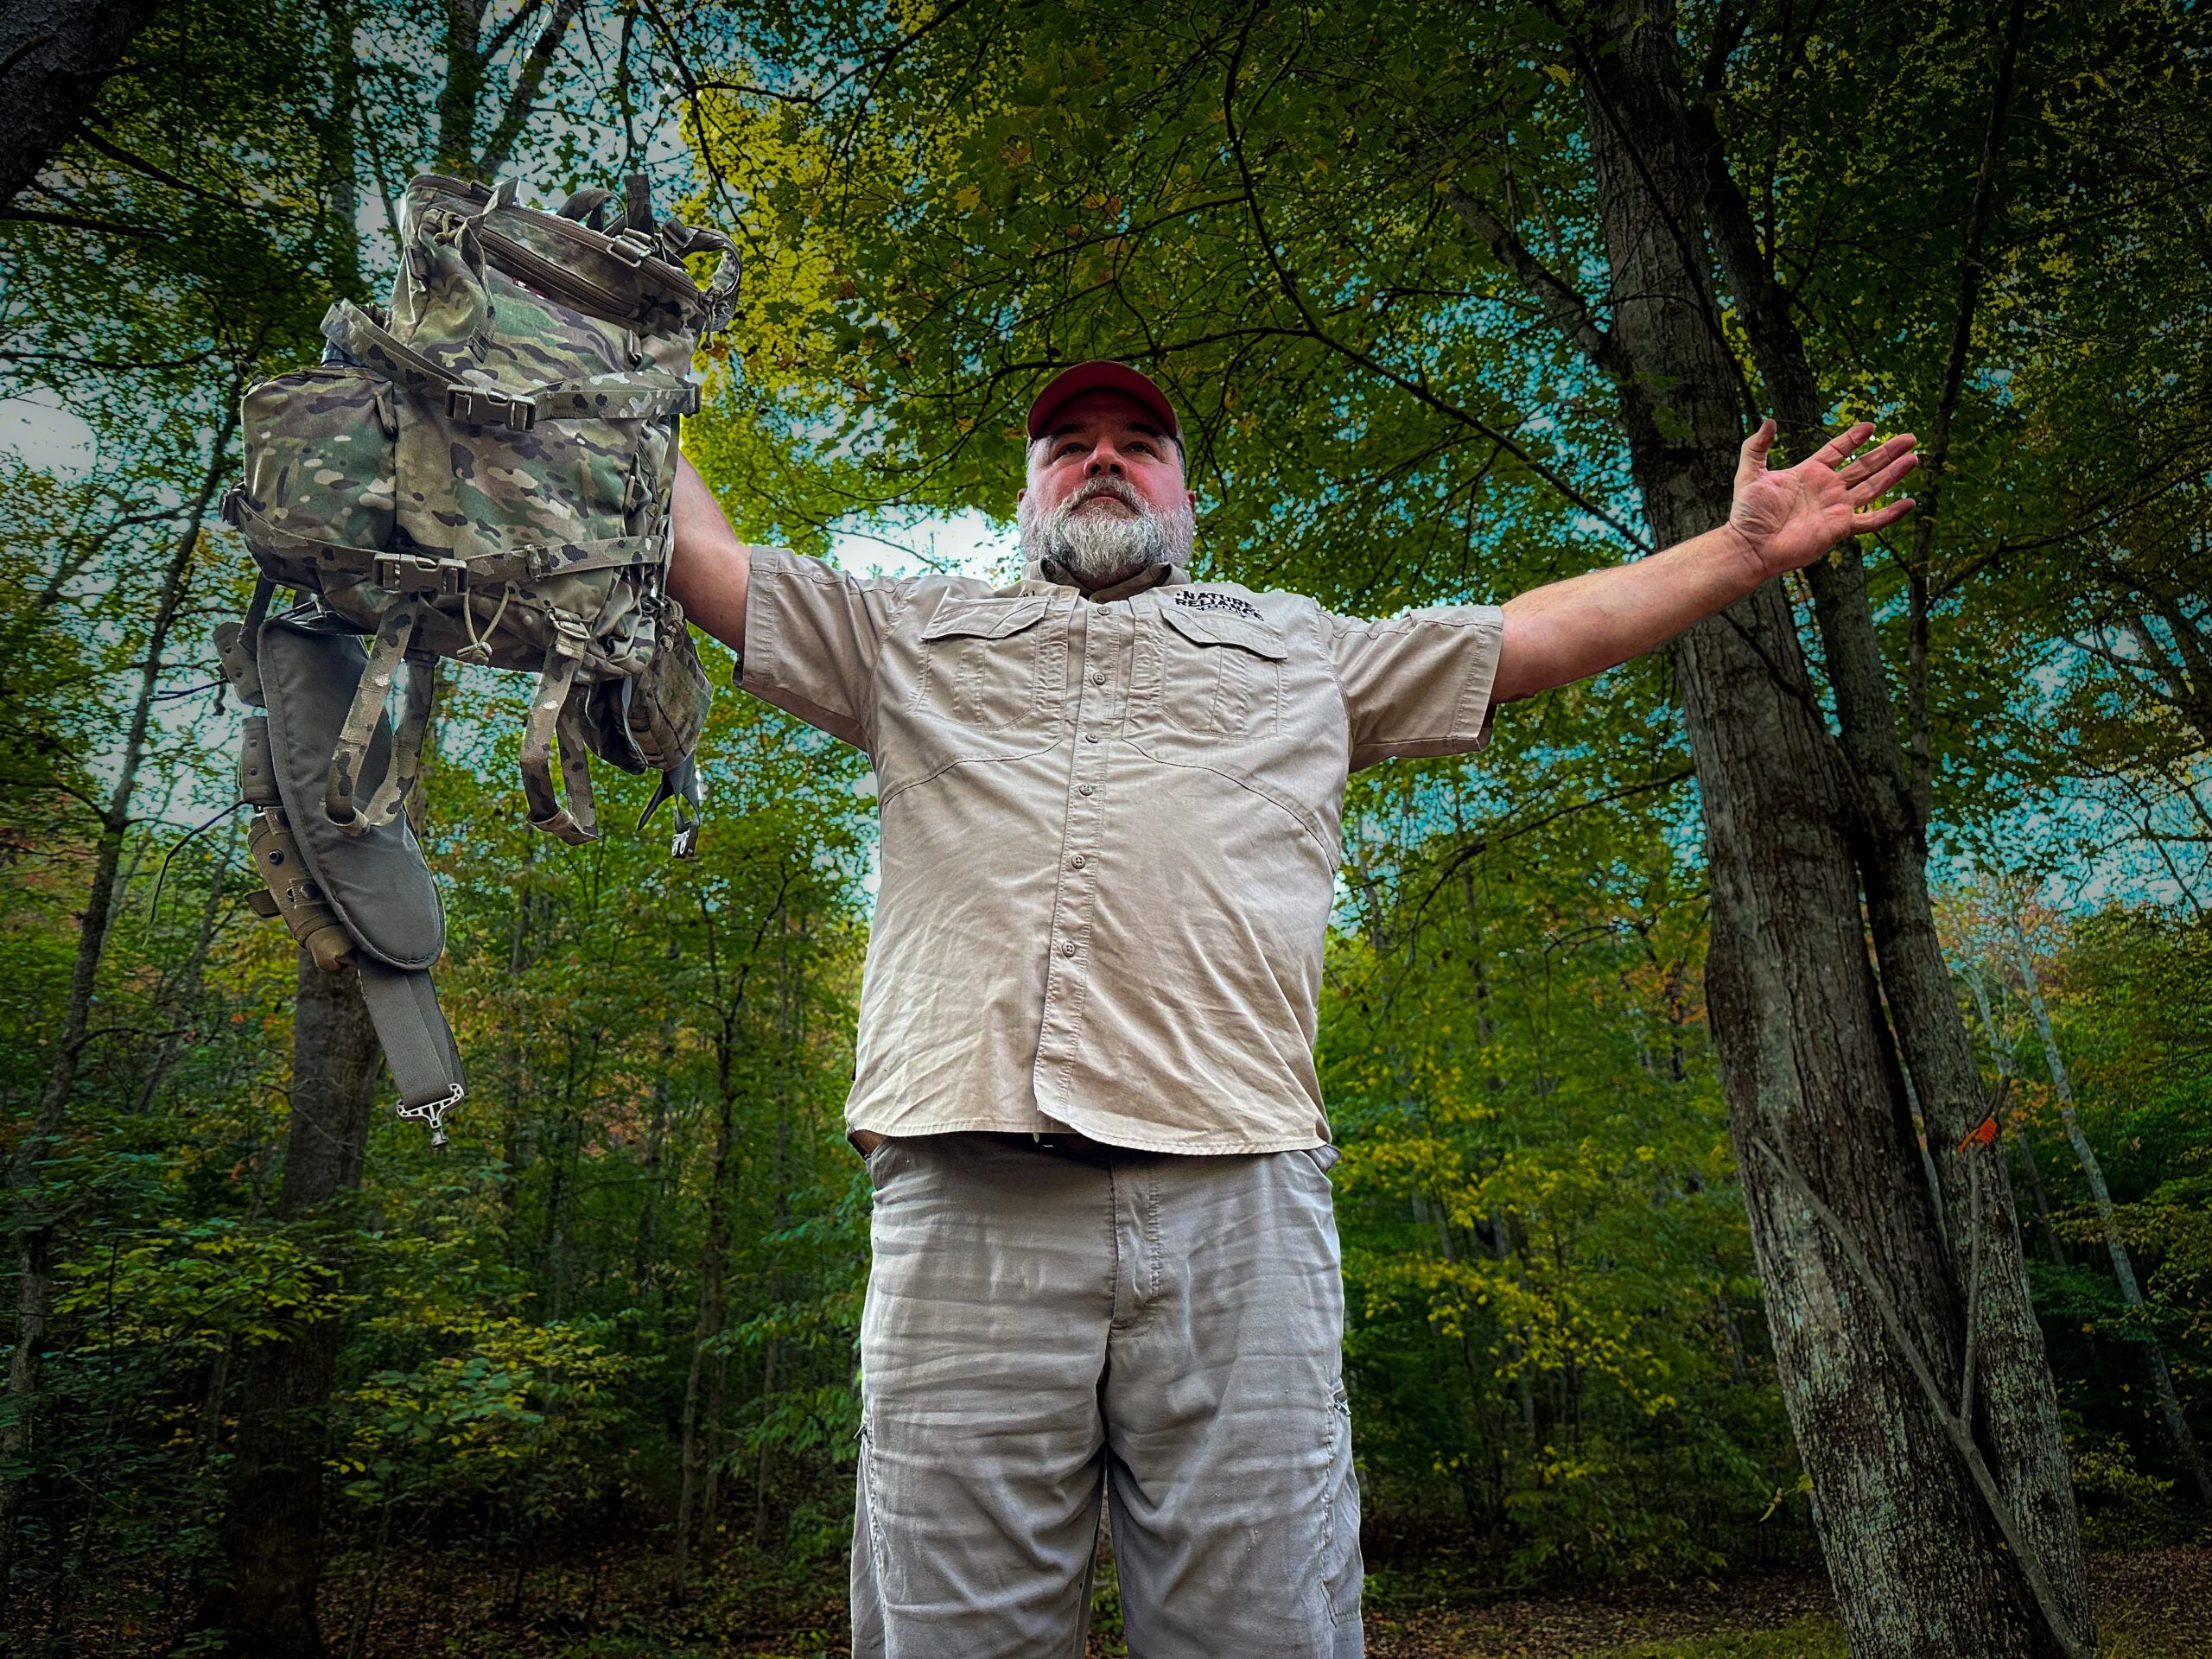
(1138, 448)
(1065, 450)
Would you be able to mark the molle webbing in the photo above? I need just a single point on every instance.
(414, 573)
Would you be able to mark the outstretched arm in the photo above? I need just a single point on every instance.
(707, 575)
(1780, 521)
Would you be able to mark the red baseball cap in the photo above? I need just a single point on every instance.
(1101, 376)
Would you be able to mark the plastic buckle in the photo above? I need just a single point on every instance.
(490, 406)
(417, 574)
(433, 1112)
(630, 247)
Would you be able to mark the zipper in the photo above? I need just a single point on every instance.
(558, 281)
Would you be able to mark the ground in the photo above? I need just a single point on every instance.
(2151, 1604)
(614, 1602)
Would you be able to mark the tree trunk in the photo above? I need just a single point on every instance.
(1886, 819)
(33, 1218)
(2123, 1269)
(1998, 1052)
(55, 57)
(714, 1305)
(1861, 1300)
(271, 1536)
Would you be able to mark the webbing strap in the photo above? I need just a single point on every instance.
(518, 564)
(576, 763)
(417, 1042)
(358, 334)
(394, 629)
(547, 705)
(601, 397)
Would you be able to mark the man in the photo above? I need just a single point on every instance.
(1105, 1254)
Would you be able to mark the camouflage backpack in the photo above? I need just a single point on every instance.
(482, 471)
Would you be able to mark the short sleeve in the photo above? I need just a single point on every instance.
(1418, 684)
(812, 635)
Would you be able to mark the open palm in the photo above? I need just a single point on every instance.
(1791, 517)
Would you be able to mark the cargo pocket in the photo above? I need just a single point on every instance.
(1217, 674)
(1341, 1568)
(985, 664)
(319, 467)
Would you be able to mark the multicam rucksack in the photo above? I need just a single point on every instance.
(482, 472)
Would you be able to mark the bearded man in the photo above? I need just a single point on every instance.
(1105, 1260)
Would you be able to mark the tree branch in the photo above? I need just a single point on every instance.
(1564, 309)
(500, 148)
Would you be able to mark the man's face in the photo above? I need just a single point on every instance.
(1106, 497)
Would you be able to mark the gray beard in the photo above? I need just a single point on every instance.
(1097, 549)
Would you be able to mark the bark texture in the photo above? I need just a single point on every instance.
(1865, 1300)
(272, 1531)
(55, 57)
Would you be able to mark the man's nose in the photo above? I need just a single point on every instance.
(1104, 461)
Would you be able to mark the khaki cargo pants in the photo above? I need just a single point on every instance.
(1046, 1327)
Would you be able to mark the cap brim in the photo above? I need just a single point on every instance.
(1101, 376)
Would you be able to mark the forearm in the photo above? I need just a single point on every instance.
(707, 574)
(1573, 629)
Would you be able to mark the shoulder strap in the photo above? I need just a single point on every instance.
(417, 1042)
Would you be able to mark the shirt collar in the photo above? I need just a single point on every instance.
(1048, 577)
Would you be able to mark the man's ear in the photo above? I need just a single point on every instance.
(1191, 496)
(1022, 495)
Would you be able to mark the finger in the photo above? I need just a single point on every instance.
(1882, 483)
(1865, 524)
(1878, 457)
(1751, 460)
(1838, 448)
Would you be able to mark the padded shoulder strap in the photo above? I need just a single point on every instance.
(417, 1042)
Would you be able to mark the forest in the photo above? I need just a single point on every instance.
(1818, 1001)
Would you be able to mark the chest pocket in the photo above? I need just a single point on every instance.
(988, 665)
(1217, 674)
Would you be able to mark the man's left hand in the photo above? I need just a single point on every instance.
(1790, 518)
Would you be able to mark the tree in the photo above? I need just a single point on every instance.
(264, 1602)
(55, 57)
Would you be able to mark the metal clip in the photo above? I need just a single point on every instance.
(417, 575)
(490, 406)
(433, 1113)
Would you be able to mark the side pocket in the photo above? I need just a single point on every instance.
(868, 1531)
(879, 1161)
(319, 455)
(1342, 1569)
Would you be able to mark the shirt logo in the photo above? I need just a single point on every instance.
(1204, 599)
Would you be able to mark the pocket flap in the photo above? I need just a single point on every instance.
(983, 618)
(1213, 627)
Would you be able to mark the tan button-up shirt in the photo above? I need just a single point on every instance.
(1108, 835)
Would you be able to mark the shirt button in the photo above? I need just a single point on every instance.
(1076, 862)
(1068, 949)
(1083, 789)
(1090, 737)
(1098, 679)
